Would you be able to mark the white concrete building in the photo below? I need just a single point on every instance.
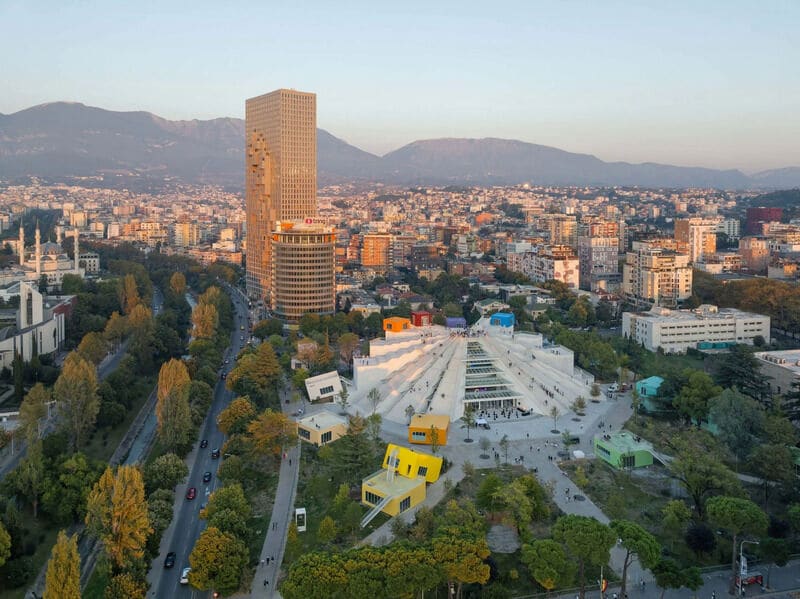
(781, 369)
(675, 331)
(40, 327)
(324, 387)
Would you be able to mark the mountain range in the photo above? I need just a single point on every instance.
(65, 139)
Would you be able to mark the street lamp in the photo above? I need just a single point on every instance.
(741, 555)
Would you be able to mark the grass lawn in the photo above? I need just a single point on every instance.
(104, 442)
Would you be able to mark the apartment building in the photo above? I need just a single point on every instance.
(699, 235)
(655, 276)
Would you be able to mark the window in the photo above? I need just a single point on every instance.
(422, 471)
(326, 390)
(418, 436)
(303, 433)
(405, 504)
(326, 437)
(628, 461)
(372, 498)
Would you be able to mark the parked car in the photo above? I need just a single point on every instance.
(191, 493)
(169, 561)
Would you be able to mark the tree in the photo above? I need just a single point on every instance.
(68, 487)
(116, 329)
(579, 405)
(675, 517)
(30, 476)
(5, 545)
(229, 497)
(468, 419)
(125, 586)
(434, 434)
(217, 561)
(326, 532)
(165, 472)
(486, 497)
(76, 394)
(701, 473)
(739, 420)
(692, 400)
(235, 418)
(270, 432)
(116, 513)
(205, 320)
(32, 410)
(93, 347)
(177, 283)
(504, 443)
(671, 575)
(738, 517)
(266, 328)
(348, 343)
(484, 444)
(774, 464)
(637, 542)
(554, 415)
(374, 422)
(63, 579)
(587, 541)
(462, 559)
(595, 391)
(374, 397)
(548, 563)
(256, 374)
(128, 294)
(776, 552)
(739, 368)
(172, 407)
(343, 399)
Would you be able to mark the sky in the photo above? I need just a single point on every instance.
(713, 83)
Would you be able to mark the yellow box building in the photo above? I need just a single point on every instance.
(419, 429)
(321, 428)
(396, 324)
(400, 485)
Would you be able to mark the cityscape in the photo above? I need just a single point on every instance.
(241, 356)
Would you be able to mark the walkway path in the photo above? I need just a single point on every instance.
(265, 579)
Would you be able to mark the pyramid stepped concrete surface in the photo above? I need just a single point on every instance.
(438, 370)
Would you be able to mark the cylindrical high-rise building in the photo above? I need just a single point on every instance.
(303, 270)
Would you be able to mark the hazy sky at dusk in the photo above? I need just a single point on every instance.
(712, 83)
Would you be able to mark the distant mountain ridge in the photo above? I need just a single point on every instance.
(63, 139)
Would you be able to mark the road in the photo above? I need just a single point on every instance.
(186, 524)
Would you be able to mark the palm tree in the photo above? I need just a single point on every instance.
(469, 420)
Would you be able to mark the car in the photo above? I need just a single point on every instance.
(185, 575)
(223, 376)
(203, 443)
(169, 561)
(215, 453)
(206, 477)
(191, 493)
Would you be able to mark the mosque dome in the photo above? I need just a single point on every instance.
(50, 248)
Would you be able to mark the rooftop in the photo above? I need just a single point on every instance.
(440, 421)
(396, 486)
(322, 420)
(789, 359)
(704, 312)
(625, 442)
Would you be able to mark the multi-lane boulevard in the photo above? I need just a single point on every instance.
(186, 524)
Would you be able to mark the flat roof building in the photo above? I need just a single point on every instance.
(623, 450)
(781, 369)
(707, 327)
(322, 428)
(324, 387)
(421, 426)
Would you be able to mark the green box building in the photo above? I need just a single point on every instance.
(623, 450)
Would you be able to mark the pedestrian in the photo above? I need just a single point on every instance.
(290, 461)
(265, 582)
(273, 558)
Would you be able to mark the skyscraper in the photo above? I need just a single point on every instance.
(281, 174)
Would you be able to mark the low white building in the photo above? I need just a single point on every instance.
(781, 369)
(707, 327)
(324, 387)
